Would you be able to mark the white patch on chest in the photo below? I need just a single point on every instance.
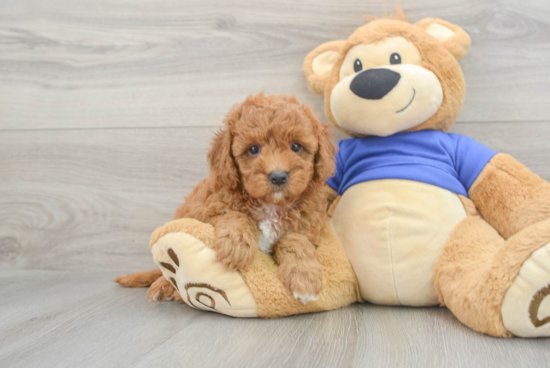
(270, 228)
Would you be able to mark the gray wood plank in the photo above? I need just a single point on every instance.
(74, 64)
(64, 319)
(361, 335)
(106, 111)
(433, 337)
(84, 200)
(81, 319)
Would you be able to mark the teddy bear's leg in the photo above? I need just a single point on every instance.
(183, 249)
(526, 305)
(493, 285)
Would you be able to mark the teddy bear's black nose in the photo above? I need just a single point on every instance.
(278, 177)
(373, 84)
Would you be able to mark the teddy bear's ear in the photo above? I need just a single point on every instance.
(455, 40)
(318, 65)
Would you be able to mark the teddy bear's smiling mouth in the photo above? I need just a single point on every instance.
(409, 104)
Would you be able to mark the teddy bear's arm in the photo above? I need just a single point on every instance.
(509, 196)
(332, 199)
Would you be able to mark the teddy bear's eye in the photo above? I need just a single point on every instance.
(395, 58)
(357, 65)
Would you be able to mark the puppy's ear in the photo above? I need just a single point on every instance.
(222, 164)
(324, 158)
(318, 65)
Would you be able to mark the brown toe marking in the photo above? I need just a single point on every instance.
(535, 304)
(212, 302)
(174, 257)
(174, 283)
(206, 286)
(169, 267)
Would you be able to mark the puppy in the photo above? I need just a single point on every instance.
(266, 190)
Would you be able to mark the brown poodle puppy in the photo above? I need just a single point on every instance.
(266, 189)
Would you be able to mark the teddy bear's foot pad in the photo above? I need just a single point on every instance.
(202, 282)
(526, 305)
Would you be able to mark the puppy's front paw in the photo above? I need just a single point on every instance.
(305, 298)
(304, 279)
(235, 248)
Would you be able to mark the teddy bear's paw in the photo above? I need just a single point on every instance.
(526, 305)
(203, 283)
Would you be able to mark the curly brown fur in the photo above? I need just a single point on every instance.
(299, 267)
(162, 290)
(238, 195)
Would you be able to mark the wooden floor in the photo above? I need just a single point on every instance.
(107, 108)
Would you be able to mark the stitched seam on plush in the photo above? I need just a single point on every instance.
(391, 253)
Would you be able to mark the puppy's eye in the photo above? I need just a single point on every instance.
(357, 65)
(395, 58)
(254, 150)
(296, 147)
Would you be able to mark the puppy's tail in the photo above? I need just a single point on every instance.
(139, 279)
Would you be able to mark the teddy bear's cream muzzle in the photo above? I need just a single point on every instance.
(414, 94)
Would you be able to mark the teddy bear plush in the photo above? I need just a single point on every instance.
(418, 216)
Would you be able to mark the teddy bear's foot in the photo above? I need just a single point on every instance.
(526, 305)
(494, 285)
(183, 251)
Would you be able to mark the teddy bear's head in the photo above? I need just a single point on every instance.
(391, 76)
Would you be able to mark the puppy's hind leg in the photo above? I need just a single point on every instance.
(139, 279)
(162, 290)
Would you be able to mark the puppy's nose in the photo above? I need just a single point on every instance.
(373, 84)
(278, 177)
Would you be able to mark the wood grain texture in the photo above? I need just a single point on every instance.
(89, 199)
(63, 319)
(88, 63)
(81, 199)
(107, 108)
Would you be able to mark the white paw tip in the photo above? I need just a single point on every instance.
(305, 298)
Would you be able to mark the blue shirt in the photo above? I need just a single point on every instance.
(450, 161)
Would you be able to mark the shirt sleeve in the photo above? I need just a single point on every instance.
(335, 181)
(471, 157)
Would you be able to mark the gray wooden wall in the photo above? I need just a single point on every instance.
(107, 107)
